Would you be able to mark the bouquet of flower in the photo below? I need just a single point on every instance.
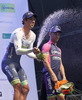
(64, 86)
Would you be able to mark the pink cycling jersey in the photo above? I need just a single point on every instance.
(54, 56)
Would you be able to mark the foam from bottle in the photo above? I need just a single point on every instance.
(68, 20)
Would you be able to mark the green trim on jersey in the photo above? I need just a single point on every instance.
(15, 81)
(24, 82)
(51, 96)
(61, 94)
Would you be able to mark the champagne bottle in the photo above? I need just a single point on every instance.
(39, 55)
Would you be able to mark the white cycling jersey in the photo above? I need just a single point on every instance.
(19, 45)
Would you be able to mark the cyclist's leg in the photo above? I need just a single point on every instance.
(24, 84)
(12, 75)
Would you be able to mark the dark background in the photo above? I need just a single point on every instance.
(71, 45)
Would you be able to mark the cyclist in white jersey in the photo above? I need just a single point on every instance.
(21, 43)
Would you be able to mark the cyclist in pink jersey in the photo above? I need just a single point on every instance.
(53, 67)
